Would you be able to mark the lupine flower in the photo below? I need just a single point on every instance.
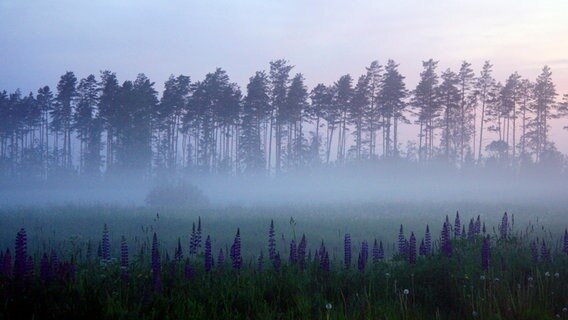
(471, 230)
(7, 264)
(445, 241)
(375, 251)
(544, 252)
(221, 258)
(347, 250)
(192, 240)
(178, 255)
(188, 271)
(463, 233)
(236, 251)
(485, 254)
(124, 259)
(534, 252)
(365, 251)
(302, 251)
(44, 269)
(402, 249)
(198, 234)
(504, 226)
(293, 253)
(20, 258)
(156, 265)
(421, 249)
(478, 225)
(457, 226)
(271, 241)
(208, 255)
(484, 230)
(360, 263)
(260, 261)
(381, 251)
(105, 245)
(427, 241)
(412, 249)
(565, 241)
(325, 262)
(277, 262)
(29, 269)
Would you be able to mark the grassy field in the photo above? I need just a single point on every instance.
(515, 286)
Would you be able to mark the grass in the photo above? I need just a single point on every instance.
(515, 287)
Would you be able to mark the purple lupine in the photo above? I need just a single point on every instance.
(471, 230)
(123, 259)
(7, 264)
(457, 226)
(20, 258)
(188, 271)
(271, 241)
(422, 249)
(293, 253)
(302, 252)
(544, 252)
(381, 251)
(375, 251)
(156, 265)
(44, 269)
(402, 249)
(105, 245)
(485, 253)
(208, 255)
(504, 227)
(463, 233)
(29, 269)
(198, 234)
(192, 241)
(260, 261)
(483, 229)
(360, 263)
(412, 249)
(445, 241)
(325, 266)
(534, 251)
(365, 251)
(320, 254)
(236, 251)
(347, 250)
(178, 255)
(221, 258)
(478, 225)
(565, 241)
(427, 241)
(277, 262)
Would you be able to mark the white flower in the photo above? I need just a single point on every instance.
(547, 274)
(482, 278)
(564, 309)
(496, 280)
(387, 274)
(474, 313)
(406, 292)
(557, 275)
(328, 306)
(530, 279)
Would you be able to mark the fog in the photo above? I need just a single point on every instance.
(355, 184)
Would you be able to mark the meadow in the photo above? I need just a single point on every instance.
(156, 263)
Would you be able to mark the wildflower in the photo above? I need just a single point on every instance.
(45, 269)
(478, 225)
(534, 252)
(405, 292)
(271, 241)
(188, 271)
(293, 252)
(208, 255)
(347, 250)
(446, 243)
(178, 255)
(565, 241)
(364, 252)
(412, 249)
(463, 232)
(7, 264)
(20, 258)
(530, 279)
(124, 259)
(427, 241)
(277, 262)
(482, 277)
(547, 274)
(198, 234)
(457, 226)
(421, 249)
(402, 244)
(557, 275)
(260, 261)
(105, 245)
(471, 230)
(156, 265)
(192, 240)
(221, 258)
(544, 252)
(325, 262)
(504, 227)
(236, 251)
(302, 251)
(328, 306)
(485, 254)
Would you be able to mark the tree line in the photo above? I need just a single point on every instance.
(95, 127)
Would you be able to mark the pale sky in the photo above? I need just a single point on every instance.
(40, 40)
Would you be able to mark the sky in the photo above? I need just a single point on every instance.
(40, 40)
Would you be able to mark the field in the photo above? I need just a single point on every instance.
(85, 275)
